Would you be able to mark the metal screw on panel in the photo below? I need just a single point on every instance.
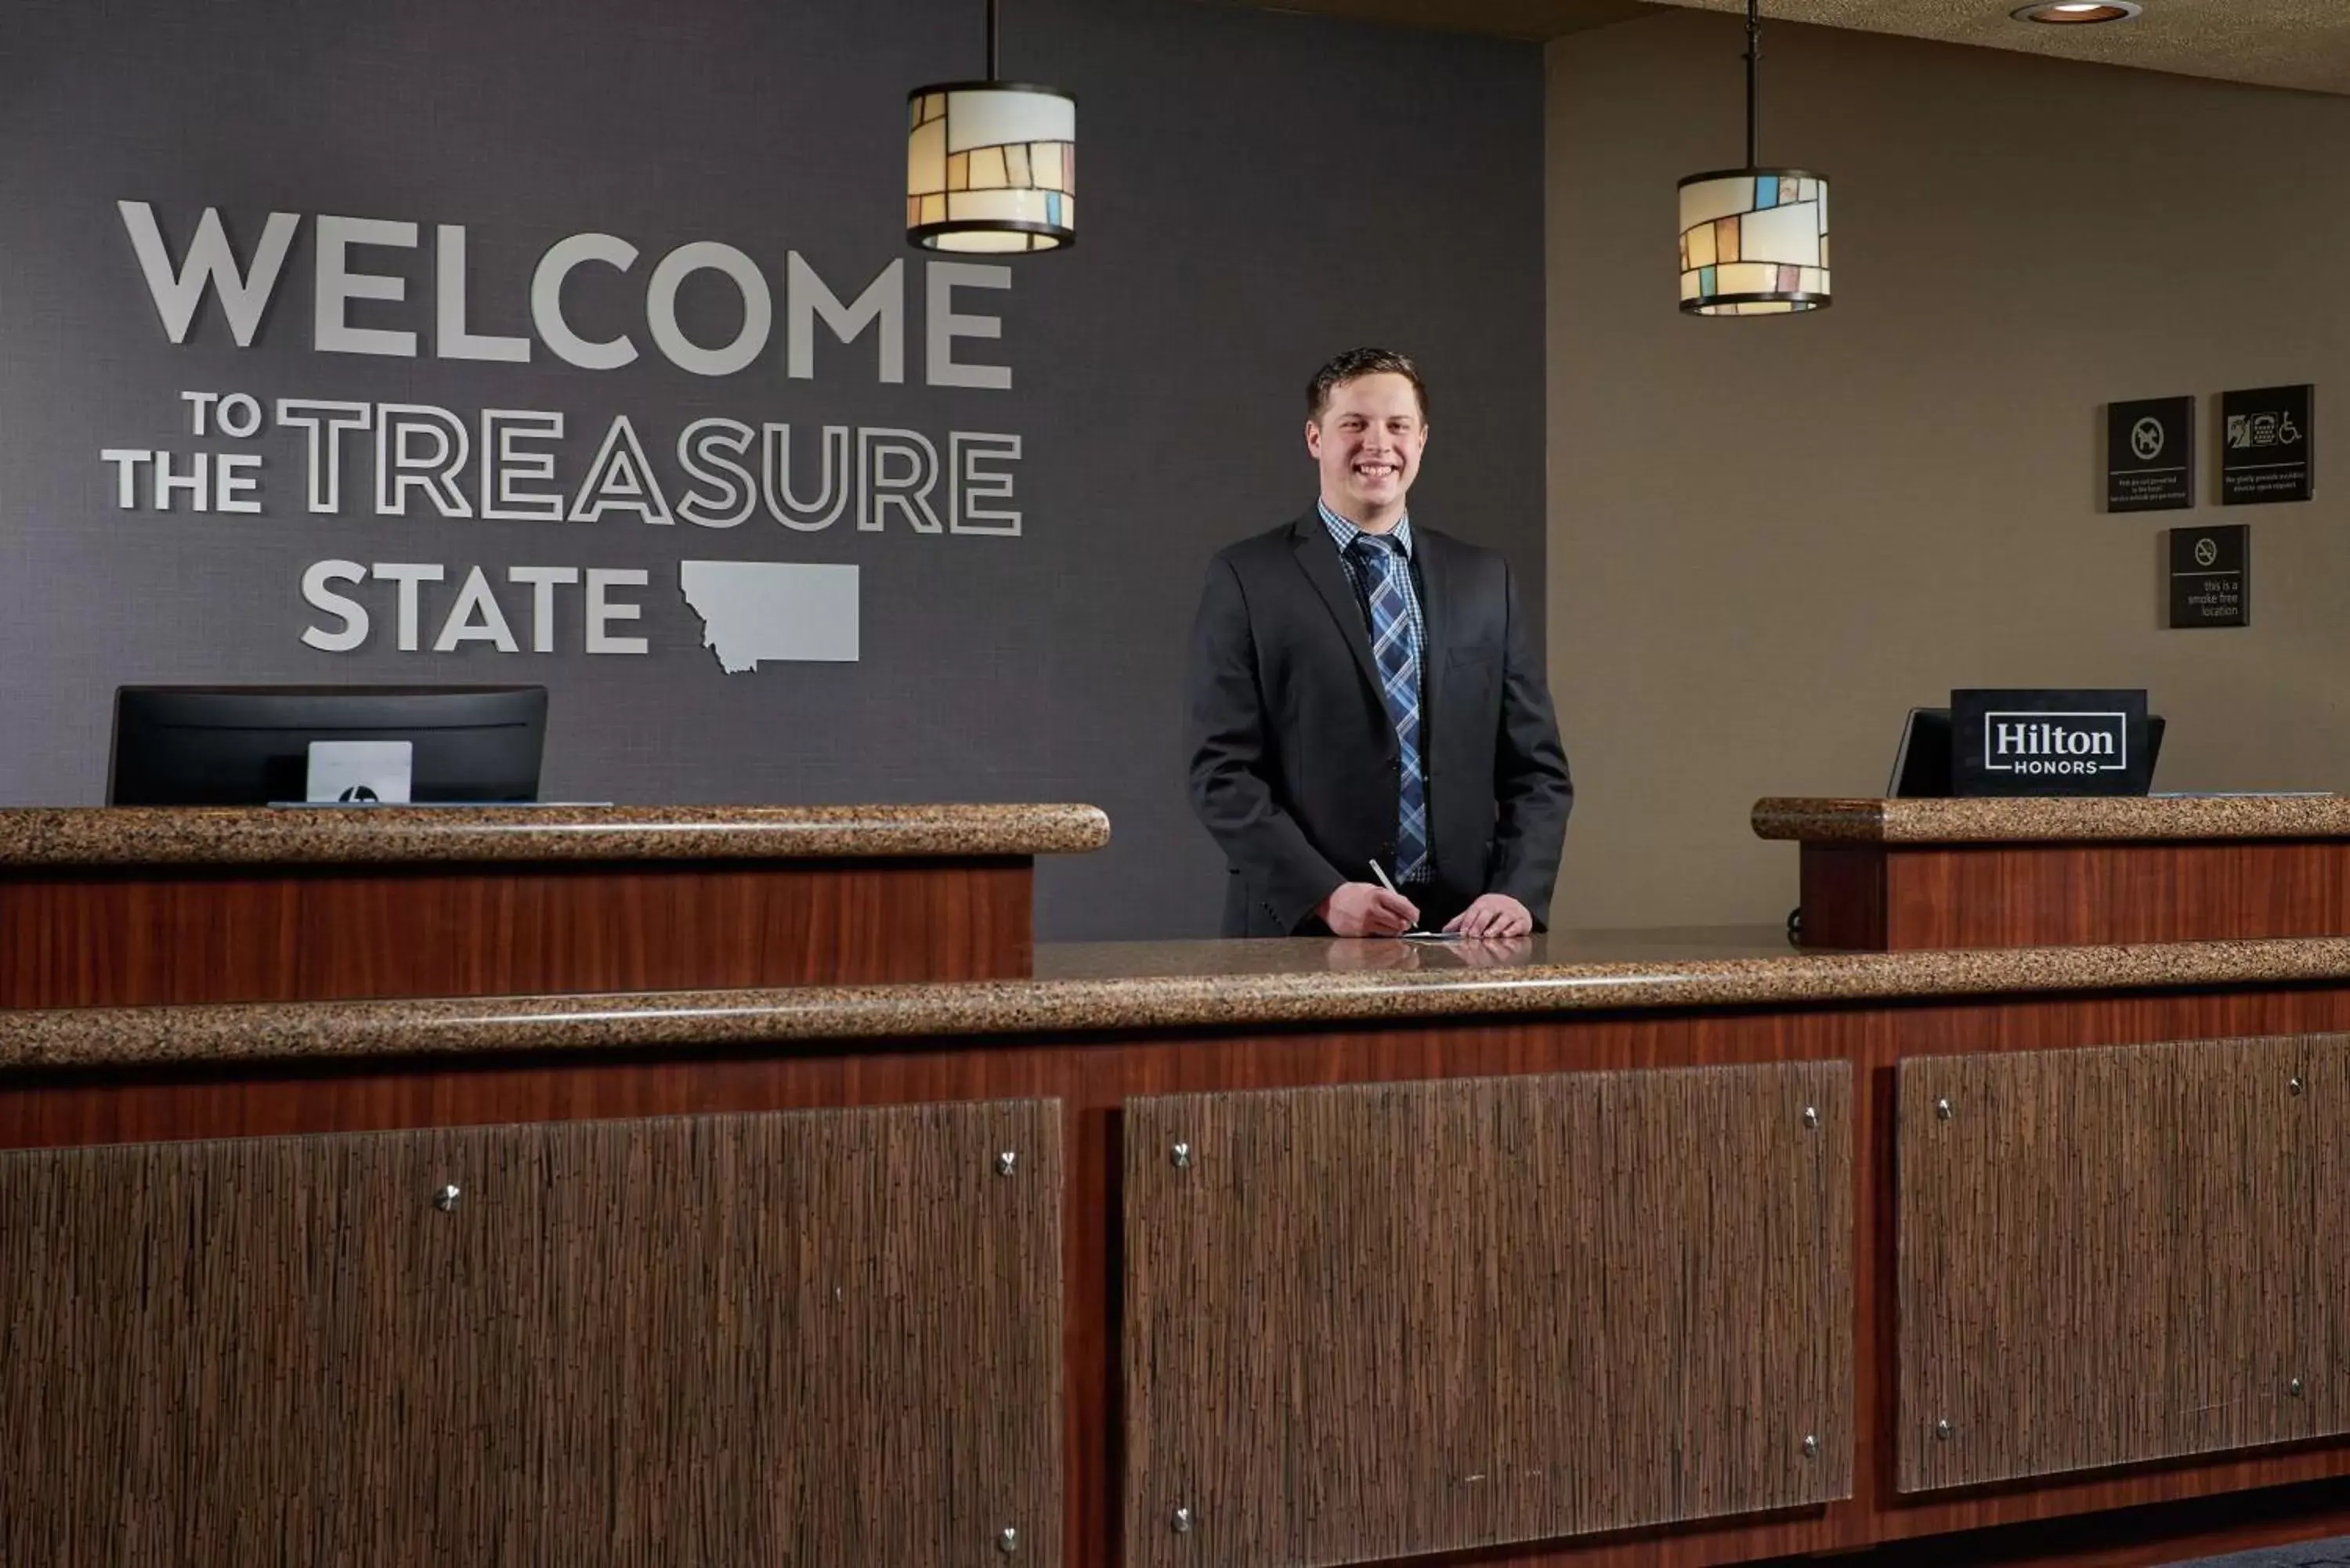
(2293, 1387)
(446, 1198)
(1811, 1446)
(1811, 1116)
(1006, 1162)
(1942, 1109)
(1008, 1541)
(2295, 1086)
(1942, 1429)
(1181, 1521)
(1181, 1155)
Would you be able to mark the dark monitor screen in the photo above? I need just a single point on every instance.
(1921, 767)
(250, 745)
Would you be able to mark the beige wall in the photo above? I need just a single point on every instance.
(1769, 538)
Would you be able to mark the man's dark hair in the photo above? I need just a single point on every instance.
(1356, 363)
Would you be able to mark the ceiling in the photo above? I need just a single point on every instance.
(2274, 43)
(1504, 18)
(2302, 43)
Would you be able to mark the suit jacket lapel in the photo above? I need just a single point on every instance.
(1442, 616)
(1318, 558)
(1436, 583)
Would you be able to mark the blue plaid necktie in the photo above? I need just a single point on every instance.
(1396, 653)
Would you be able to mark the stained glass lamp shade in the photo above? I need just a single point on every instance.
(990, 167)
(1754, 242)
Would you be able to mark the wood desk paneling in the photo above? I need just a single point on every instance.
(1364, 1323)
(2112, 1256)
(170, 934)
(1097, 1076)
(1904, 897)
(813, 1337)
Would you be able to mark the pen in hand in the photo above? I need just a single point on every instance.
(1379, 872)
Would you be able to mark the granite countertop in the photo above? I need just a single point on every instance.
(151, 836)
(1110, 987)
(2053, 818)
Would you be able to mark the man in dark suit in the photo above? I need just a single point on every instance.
(1367, 700)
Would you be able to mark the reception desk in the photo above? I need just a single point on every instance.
(131, 907)
(1668, 1247)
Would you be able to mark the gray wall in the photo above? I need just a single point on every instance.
(1258, 191)
(1769, 538)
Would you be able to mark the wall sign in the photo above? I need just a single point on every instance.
(2211, 576)
(2035, 742)
(2151, 455)
(2267, 445)
(783, 580)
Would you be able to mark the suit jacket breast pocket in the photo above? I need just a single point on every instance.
(1471, 686)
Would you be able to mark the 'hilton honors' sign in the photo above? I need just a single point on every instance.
(2049, 742)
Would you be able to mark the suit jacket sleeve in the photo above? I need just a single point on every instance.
(1226, 731)
(1533, 791)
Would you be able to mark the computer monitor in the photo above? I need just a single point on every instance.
(1921, 766)
(250, 745)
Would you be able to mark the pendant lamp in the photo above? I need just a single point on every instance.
(1754, 241)
(991, 166)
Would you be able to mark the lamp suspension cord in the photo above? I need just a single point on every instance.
(1754, 78)
(991, 39)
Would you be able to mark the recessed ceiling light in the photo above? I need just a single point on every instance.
(2078, 11)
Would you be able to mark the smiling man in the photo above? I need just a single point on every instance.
(1367, 703)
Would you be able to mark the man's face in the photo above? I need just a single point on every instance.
(1369, 441)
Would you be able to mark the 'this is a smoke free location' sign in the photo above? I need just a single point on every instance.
(2211, 576)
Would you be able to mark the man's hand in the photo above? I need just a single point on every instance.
(1363, 910)
(1493, 915)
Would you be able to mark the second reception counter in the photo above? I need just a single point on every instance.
(1665, 1248)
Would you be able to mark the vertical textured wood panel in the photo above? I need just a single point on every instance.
(2122, 1254)
(1376, 1322)
(2322, 1323)
(821, 1337)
